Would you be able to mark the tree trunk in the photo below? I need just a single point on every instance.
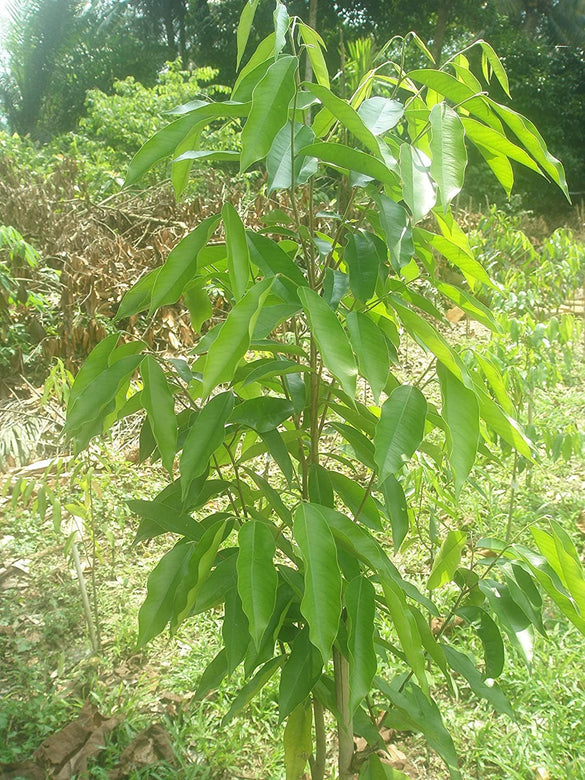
(440, 30)
(312, 23)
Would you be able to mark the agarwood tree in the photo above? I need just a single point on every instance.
(291, 414)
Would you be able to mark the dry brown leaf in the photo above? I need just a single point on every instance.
(149, 747)
(455, 314)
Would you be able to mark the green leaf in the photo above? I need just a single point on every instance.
(298, 740)
(281, 24)
(357, 500)
(160, 407)
(347, 116)
(511, 617)
(257, 578)
(374, 769)
(347, 158)
(561, 555)
(331, 339)
(279, 162)
(320, 487)
(263, 413)
(204, 437)
(199, 568)
(213, 675)
(491, 140)
(449, 155)
(181, 265)
(234, 630)
(461, 413)
(96, 362)
(157, 608)
(252, 688)
(269, 112)
(400, 429)
(370, 346)
(321, 603)
(299, 674)
(271, 259)
(360, 602)
(234, 336)
(254, 69)
(238, 257)
(380, 114)
(491, 62)
(313, 46)
(164, 143)
(457, 92)
(137, 298)
(244, 27)
(397, 509)
(196, 299)
(416, 712)
(361, 258)
(447, 560)
(463, 665)
(417, 186)
(396, 224)
(406, 628)
(279, 452)
(491, 639)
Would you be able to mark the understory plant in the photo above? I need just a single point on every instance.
(287, 432)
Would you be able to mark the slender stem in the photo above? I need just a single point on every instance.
(238, 480)
(84, 598)
(367, 494)
(230, 497)
(345, 720)
(512, 498)
(318, 758)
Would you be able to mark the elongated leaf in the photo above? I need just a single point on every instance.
(137, 298)
(561, 555)
(272, 259)
(234, 630)
(237, 248)
(299, 674)
(314, 45)
(361, 258)
(244, 27)
(331, 338)
(196, 299)
(320, 487)
(160, 408)
(254, 70)
(269, 111)
(380, 114)
(456, 91)
(491, 62)
(491, 639)
(461, 413)
(360, 602)
(181, 265)
(397, 509)
(447, 560)
(396, 224)
(213, 675)
(415, 711)
(463, 665)
(279, 162)
(357, 500)
(374, 769)
(346, 115)
(263, 413)
(400, 429)
(498, 143)
(417, 186)
(406, 628)
(347, 158)
(253, 687)
(204, 437)
(279, 452)
(449, 155)
(281, 24)
(164, 143)
(510, 616)
(321, 603)
(234, 336)
(370, 346)
(298, 741)
(257, 578)
(157, 609)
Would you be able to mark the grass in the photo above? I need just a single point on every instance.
(48, 671)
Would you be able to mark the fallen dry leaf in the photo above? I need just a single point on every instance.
(147, 748)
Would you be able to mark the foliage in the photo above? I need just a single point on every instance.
(27, 296)
(297, 552)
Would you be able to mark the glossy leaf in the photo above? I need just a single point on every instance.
(257, 578)
(361, 258)
(380, 114)
(160, 407)
(397, 509)
(400, 429)
(272, 259)
(313, 46)
(263, 413)
(269, 111)
(447, 559)
(491, 639)
(204, 437)
(370, 347)
(331, 338)
(463, 665)
(320, 486)
(417, 186)
(299, 674)
(360, 602)
(321, 603)
(346, 157)
(298, 741)
(460, 411)
(357, 500)
(196, 299)
(252, 688)
(234, 631)
(346, 115)
(181, 265)
(449, 155)
(244, 27)
(234, 337)
(157, 608)
(374, 769)
(238, 257)
(279, 162)
(396, 224)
